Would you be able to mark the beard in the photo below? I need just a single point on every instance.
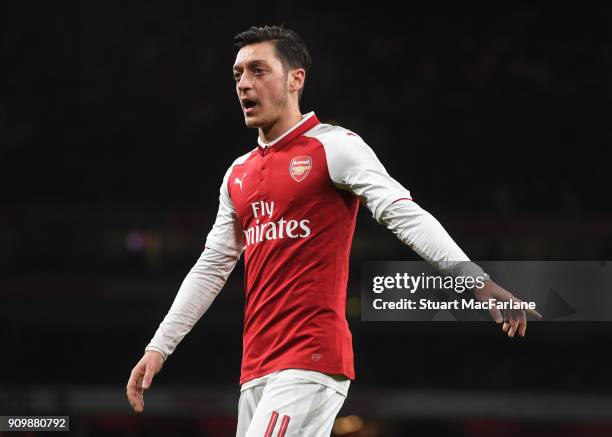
(280, 104)
(277, 107)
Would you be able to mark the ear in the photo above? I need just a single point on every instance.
(296, 79)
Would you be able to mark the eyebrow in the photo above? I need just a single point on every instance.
(252, 63)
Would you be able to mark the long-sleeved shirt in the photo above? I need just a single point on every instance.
(290, 206)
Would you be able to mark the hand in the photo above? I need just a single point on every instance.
(140, 378)
(513, 320)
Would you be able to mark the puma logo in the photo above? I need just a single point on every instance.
(239, 181)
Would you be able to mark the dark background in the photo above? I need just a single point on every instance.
(118, 121)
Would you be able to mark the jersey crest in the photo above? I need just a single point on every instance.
(300, 167)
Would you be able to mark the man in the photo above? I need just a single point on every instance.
(291, 204)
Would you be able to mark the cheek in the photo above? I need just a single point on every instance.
(275, 89)
(279, 93)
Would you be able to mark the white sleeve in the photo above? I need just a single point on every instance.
(419, 230)
(198, 290)
(226, 235)
(202, 284)
(353, 165)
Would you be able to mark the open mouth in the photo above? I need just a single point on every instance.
(248, 105)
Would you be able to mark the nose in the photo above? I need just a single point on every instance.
(245, 82)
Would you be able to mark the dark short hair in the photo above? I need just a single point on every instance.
(289, 47)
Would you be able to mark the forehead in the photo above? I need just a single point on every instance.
(263, 51)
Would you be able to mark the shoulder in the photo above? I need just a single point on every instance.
(344, 149)
(331, 136)
(241, 160)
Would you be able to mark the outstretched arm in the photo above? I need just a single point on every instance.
(354, 166)
(418, 229)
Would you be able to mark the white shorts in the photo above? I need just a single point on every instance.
(290, 403)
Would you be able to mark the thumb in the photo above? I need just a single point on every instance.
(146, 380)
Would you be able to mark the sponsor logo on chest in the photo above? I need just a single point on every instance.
(267, 228)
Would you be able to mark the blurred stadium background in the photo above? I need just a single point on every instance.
(118, 121)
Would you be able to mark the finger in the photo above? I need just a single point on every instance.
(131, 390)
(529, 311)
(135, 376)
(134, 400)
(136, 404)
(522, 323)
(496, 314)
(134, 390)
(139, 398)
(534, 313)
(513, 326)
(506, 326)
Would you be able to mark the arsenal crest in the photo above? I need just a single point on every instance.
(300, 167)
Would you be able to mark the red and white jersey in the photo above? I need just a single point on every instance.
(291, 206)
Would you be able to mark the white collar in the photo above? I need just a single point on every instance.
(271, 143)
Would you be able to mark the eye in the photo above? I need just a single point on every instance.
(236, 77)
(259, 71)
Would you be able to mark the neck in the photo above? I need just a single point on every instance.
(280, 126)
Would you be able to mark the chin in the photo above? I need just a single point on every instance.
(250, 122)
(254, 122)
